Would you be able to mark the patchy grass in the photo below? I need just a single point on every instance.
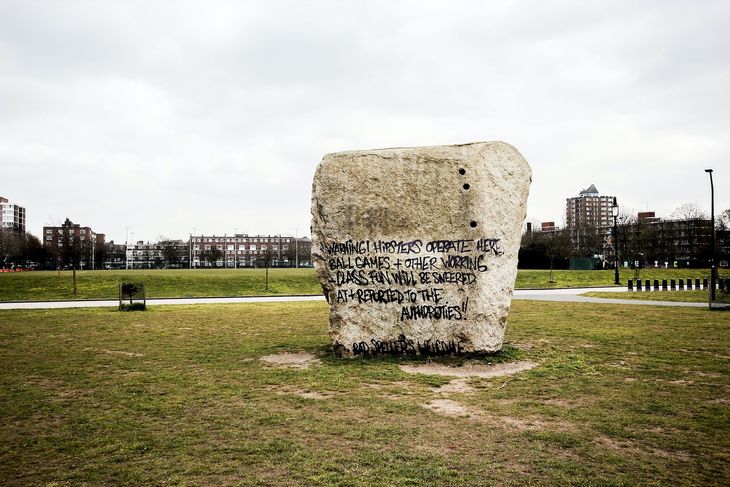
(679, 296)
(50, 285)
(179, 395)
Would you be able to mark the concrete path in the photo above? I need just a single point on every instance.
(574, 296)
(563, 295)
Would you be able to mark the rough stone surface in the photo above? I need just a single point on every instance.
(416, 248)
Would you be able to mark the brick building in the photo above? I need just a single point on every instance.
(71, 244)
(12, 216)
(547, 227)
(168, 254)
(589, 209)
(242, 250)
(653, 241)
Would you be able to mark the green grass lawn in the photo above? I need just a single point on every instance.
(681, 296)
(48, 285)
(178, 395)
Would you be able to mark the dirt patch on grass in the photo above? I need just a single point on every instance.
(471, 370)
(297, 360)
(458, 386)
(306, 394)
(629, 448)
(447, 407)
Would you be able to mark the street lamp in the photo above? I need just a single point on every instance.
(614, 211)
(713, 271)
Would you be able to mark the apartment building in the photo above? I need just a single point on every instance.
(243, 250)
(72, 244)
(12, 217)
(589, 209)
(168, 254)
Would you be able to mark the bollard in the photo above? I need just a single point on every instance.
(664, 284)
(647, 285)
(656, 284)
(697, 283)
(704, 283)
(673, 284)
(630, 285)
(638, 284)
(680, 284)
(689, 284)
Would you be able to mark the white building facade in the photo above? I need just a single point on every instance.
(12, 216)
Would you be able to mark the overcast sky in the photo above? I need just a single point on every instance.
(170, 116)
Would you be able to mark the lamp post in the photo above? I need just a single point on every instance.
(614, 211)
(712, 222)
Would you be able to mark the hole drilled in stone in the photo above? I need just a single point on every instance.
(473, 224)
(466, 185)
(462, 171)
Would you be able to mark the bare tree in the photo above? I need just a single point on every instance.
(172, 252)
(723, 220)
(688, 211)
(558, 246)
(9, 247)
(212, 255)
(71, 251)
(695, 222)
(267, 256)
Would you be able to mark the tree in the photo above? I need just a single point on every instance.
(9, 247)
(558, 246)
(723, 220)
(292, 253)
(172, 252)
(588, 240)
(267, 256)
(101, 253)
(212, 255)
(71, 249)
(696, 231)
(688, 211)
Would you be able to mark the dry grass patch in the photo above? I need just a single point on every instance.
(293, 360)
(470, 369)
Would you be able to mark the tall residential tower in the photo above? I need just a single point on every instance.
(12, 217)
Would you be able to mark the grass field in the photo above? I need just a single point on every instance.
(179, 395)
(48, 285)
(681, 296)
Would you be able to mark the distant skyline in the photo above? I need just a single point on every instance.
(169, 116)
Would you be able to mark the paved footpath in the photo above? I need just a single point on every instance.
(564, 295)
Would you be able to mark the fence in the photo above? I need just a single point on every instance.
(696, 283)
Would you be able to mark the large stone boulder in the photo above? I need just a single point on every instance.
(416, 248)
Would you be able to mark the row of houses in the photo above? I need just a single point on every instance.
(72, 244)
(222, 251)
